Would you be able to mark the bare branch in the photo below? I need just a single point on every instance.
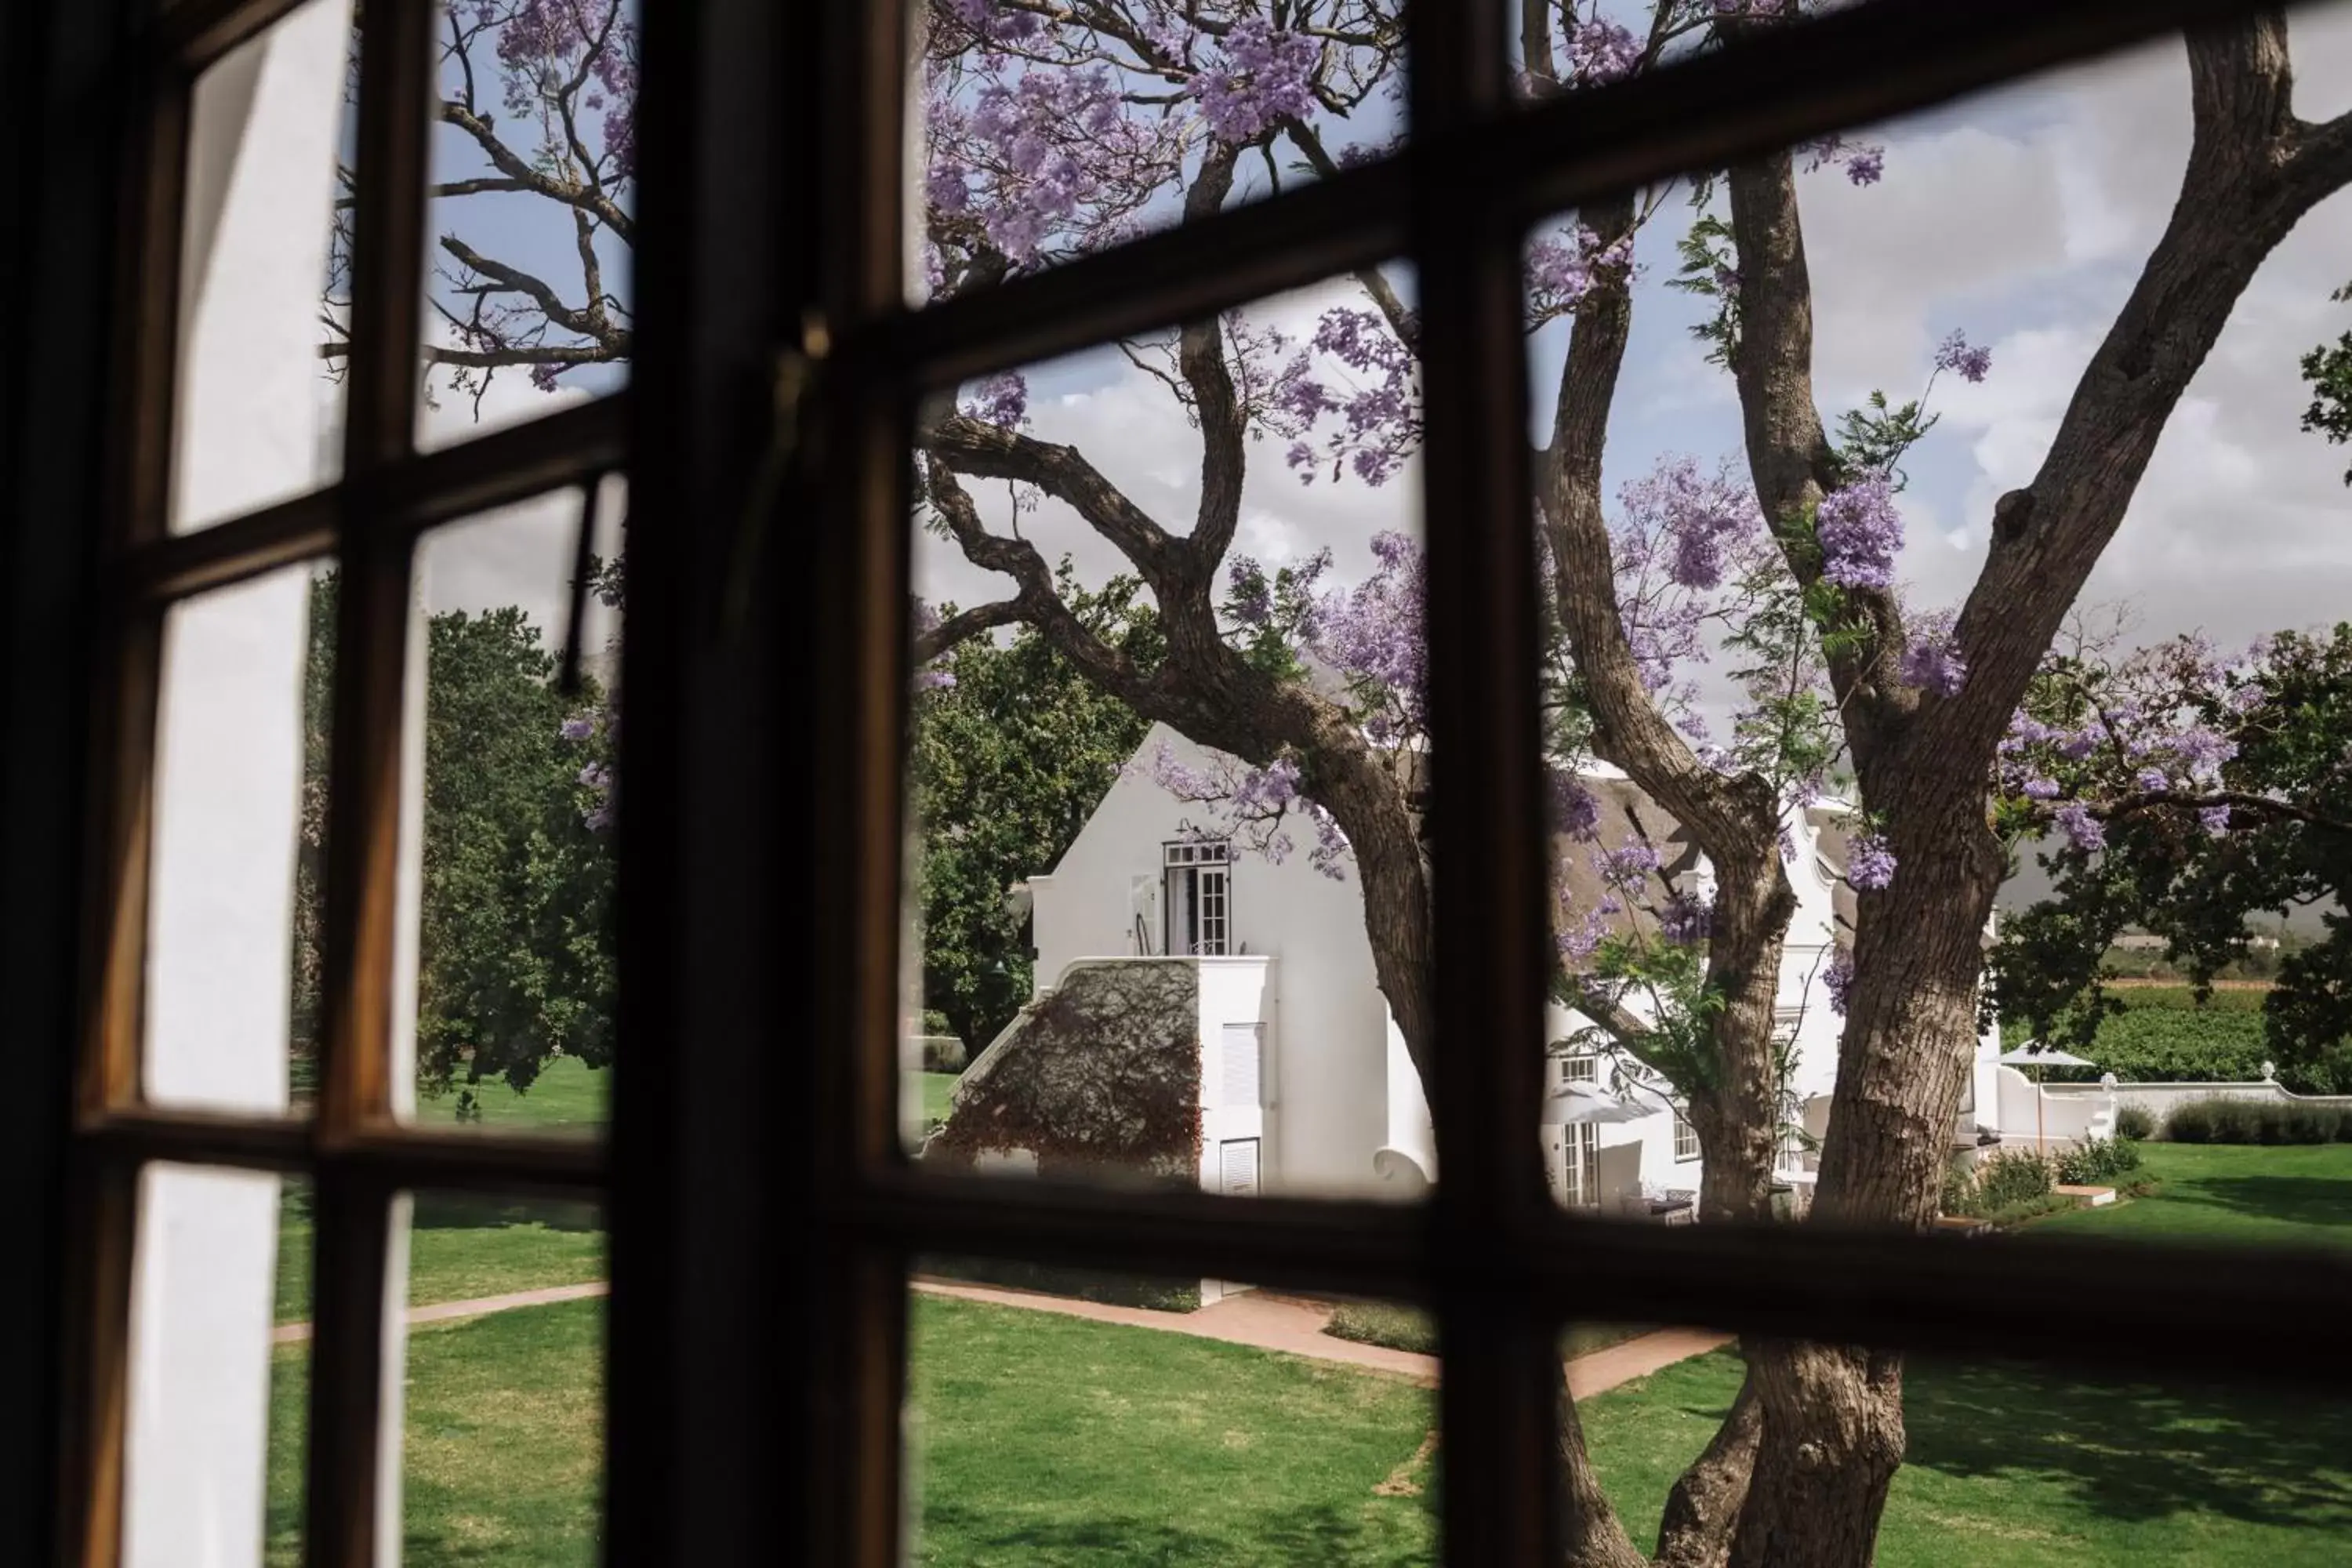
(965, 625)
(515, 167)
(993, 452)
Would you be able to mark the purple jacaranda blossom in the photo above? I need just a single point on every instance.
(1837, 978)
(1931, 658)
(1266, 75)
(2082, 829)
(1685, 920)
(1860, 532)
(1970, 362)
(2214, 819)
(1575, 810)
(1001, 399)
(1870, 862)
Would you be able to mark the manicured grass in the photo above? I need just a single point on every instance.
(1050, 1441)
(2267, 1194)
(568, 1096)
(502, 1454)
(460, 1246)
(936, 1089)
(2030, 1471)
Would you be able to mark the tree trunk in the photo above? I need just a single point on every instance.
(1831, 1441)
(1704, 1508)
(1594, 1537)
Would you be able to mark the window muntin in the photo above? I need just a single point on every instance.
(1969, 67)
(1197, 882)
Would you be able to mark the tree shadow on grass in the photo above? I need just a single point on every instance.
(1316, 1533)
(2135, 1452)
(495, 1211)
(2293, 1200)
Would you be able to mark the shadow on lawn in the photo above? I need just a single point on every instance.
(495, 1211)
(2293, 1200)
(2137, 1452)
(1316, 1533)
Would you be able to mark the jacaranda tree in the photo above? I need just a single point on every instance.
(1056, 127)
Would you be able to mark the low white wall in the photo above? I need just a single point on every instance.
(2159, 1099)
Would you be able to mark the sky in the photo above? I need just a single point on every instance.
(2020, 218)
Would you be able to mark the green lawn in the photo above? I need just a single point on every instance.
(568, 1096)
(503, 1446)
(1044, 1440)
(2279, 1195)
(936, 1089)
(460, 1246)
(1041, 1439)
(2028, 1471)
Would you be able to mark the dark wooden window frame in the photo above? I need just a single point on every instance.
(763, 1215)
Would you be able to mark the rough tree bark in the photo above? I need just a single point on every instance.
(1736, 820)
(1832, 1420)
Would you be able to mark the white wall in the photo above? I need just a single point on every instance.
(1332, 1071)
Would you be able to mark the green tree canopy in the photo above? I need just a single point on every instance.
(2288, 715)
(517, 946)
(1013, 749)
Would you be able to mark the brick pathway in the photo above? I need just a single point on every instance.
(1296, 1328)
(480, 1306)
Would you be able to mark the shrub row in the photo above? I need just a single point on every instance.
(2100, 1162)
(2134, 1121)
(1999, 1184)
(2224, 1121)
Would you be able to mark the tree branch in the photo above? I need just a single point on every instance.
(1790, 458)
(965, 625)
(1225, 429)
(2237, 801)
(1628, 728)
(2253, 171)
(992, 452)
(504, 159)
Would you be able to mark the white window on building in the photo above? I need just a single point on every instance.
(1577, 1176)
(1685, 1138)
(1197, 876)
(1584, 1067)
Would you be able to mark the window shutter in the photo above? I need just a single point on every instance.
(1240, 1065)
(1237, 1168)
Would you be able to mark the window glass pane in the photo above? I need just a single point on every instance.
(2028, 1463)
(220, 1299)
(1889, 709)
(237, 846)
(507, 824)
(502, 1382)
(265, 269)
(1063, 1419)
(528, 304)
(1167, 906)
(1039, 135)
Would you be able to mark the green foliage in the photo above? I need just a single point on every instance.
(2327, 370)
(516, 945)
(2226, 1121)
(2134, 1123)
(1008, 762)
(1874, 440)
(1997, 1184)
(2202, 893)
(2099, 1163)
(1709, 256)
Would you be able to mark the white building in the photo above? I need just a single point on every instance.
(1305, 1085)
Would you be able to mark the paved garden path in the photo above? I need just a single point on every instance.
(480, 1306)
(1296, 1328)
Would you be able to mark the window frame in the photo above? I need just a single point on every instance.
(1501, 1264)
(710, 1336)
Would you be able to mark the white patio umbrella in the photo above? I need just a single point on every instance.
(2036, 1055)
(1576, 1102)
